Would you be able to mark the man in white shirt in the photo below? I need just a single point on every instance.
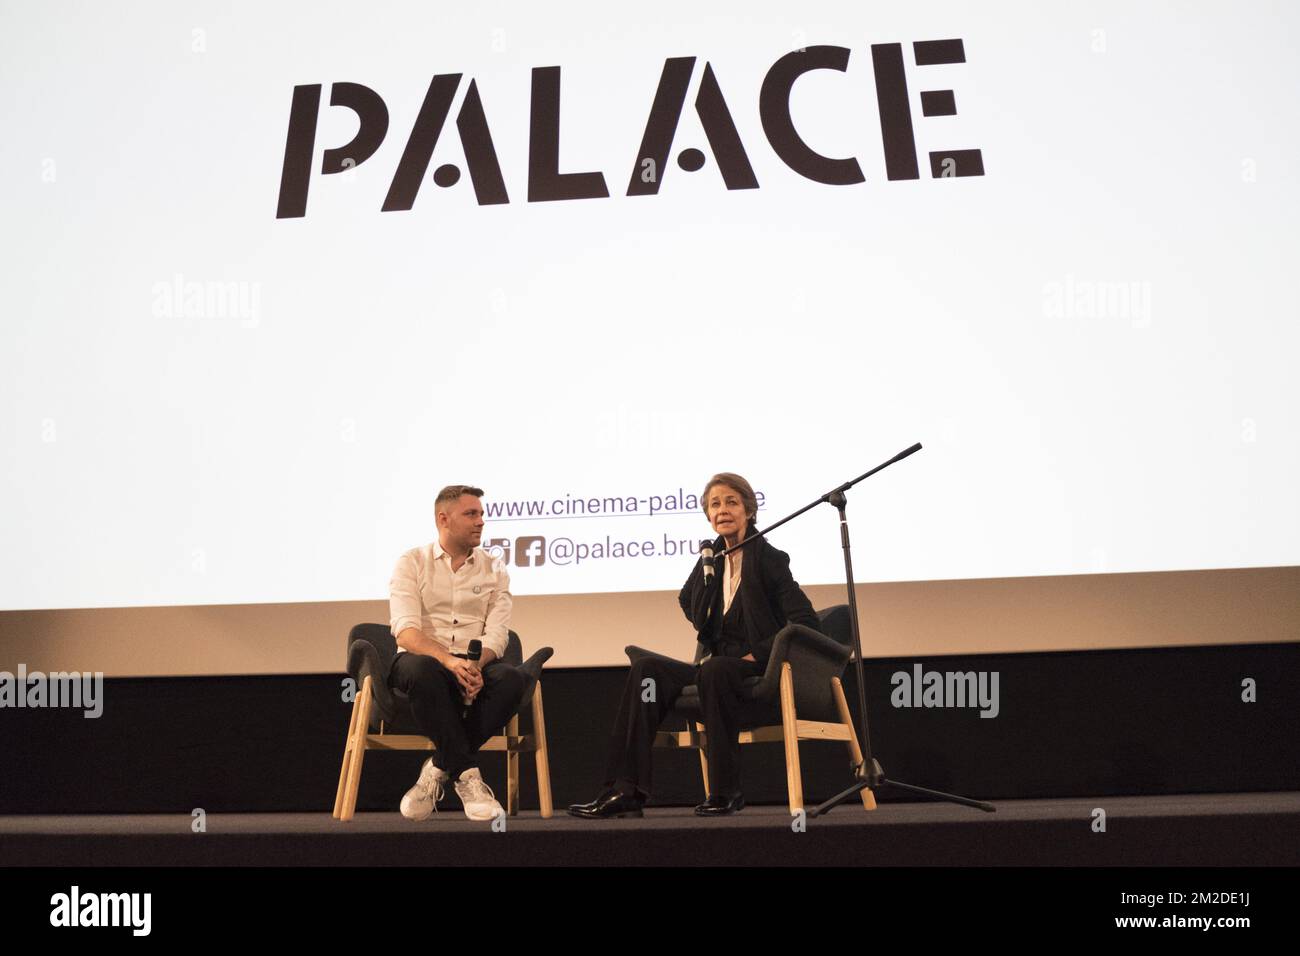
(442, 596)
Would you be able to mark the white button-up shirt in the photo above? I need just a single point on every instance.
(730, 584)
(452, 607)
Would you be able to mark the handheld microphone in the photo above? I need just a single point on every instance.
(706, 556)
(475, 653)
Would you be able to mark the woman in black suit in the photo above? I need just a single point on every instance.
(737, 614)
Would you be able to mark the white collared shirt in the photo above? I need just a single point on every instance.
(451, 607)
(730, 586)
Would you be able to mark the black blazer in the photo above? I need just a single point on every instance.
(770, 598)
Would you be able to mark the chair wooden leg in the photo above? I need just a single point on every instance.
(359, 733)
(704, 757)
(512, 768)
(347, 757)
(790, 727)
(543, 759)
(855, 751)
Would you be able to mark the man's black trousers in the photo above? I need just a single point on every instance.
(437, 702)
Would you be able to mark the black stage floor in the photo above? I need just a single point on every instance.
(1257, 829)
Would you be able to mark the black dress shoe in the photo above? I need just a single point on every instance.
(720, 806)
(611, 803)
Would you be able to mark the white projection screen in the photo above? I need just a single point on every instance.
(274, 273)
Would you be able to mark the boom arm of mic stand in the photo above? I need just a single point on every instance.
(826, 498)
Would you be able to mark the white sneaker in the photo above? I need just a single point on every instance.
(480, 803)
(422, 799)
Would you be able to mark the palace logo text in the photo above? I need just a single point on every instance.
(546, 183)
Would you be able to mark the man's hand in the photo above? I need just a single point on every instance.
(488, 656)
(467, 675)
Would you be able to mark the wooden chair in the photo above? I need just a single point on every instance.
(799, 697)
(382, 719)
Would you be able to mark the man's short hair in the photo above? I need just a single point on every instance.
(451, 494)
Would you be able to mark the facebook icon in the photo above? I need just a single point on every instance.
(530, 551)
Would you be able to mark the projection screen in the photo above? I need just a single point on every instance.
(276, 273)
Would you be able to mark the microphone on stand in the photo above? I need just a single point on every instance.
(475, 653)
(706, 556)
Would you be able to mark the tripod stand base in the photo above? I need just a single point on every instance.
(881, 781)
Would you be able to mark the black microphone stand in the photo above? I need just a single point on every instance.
(869, 773)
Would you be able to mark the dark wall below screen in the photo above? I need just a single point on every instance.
(1114, 722)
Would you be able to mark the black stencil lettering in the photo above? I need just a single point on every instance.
(724, 139)
(715, 117)
(373, 114)
(661, 125)
(895, 113)
(947, 162)
(936, 52)
(480, 154)
(545, 181)
(419, 148)
(774, 110)
(938, 103)
(956, 162)
(298, 147)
